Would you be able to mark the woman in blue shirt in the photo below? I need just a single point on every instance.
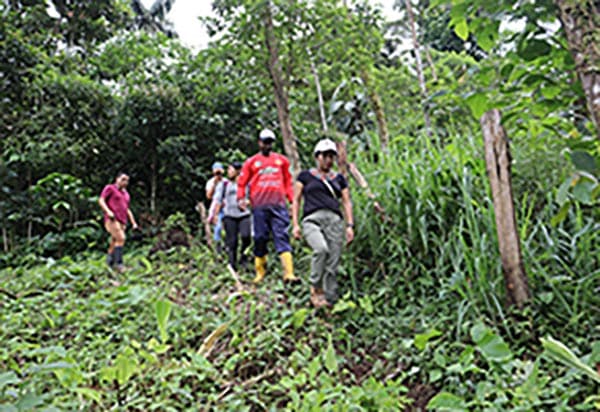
(326, 203)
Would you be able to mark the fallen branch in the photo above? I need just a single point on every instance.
(211, 339)
(238, 283)
(362, 183)
(204, 218)
(248, 382)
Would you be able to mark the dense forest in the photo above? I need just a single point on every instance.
(469, 132)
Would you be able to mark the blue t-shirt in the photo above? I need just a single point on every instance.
(321, 191)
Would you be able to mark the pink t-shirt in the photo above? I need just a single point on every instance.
(117, 200)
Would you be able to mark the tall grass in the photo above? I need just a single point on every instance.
(437, 246)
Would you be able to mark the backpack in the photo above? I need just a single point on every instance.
(222, 200)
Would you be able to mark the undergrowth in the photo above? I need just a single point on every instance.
(422, 322)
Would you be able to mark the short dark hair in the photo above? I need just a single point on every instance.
(122, 173)
(236, 165)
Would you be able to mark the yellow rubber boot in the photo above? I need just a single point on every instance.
(288, 267)
(260, 265)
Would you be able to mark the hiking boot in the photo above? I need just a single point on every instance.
(317, 297)
(260, 265)
(288, 268)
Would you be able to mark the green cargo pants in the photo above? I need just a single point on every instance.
(324, 233)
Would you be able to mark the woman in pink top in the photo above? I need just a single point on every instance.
(114, 201)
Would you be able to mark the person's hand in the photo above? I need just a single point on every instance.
(135, 226)
(296, 232)
(349, 235)
(110, 215)
(243, 204)
(214, 219)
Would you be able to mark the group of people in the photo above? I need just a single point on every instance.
(252, 202)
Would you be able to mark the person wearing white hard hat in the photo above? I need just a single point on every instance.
(267, 174)
(326, 203)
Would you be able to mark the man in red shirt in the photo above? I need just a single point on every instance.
(114, 201)
(268, 176)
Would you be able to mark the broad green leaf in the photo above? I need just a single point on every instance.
(478, 103)
(546, 297)
(299, 317)
(487, 38)
(560, 352)
(550, 92)
(421, 339)
(50, 367)
(126, 365)
(29, 402)
(584, 161)
(583, 190)
(90, 393)
(8, 378)
(595, 357)
(478, 332)
(533, 49)
(490, 345)
(163, 310)
(445, 401)
(330, 357)
(343, 305)
(461, 28)
(366, 304)
(563, 191)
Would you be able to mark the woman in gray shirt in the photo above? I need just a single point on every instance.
(235, 220)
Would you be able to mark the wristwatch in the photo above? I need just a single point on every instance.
(350, 225)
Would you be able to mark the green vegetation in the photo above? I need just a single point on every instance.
(423, 322)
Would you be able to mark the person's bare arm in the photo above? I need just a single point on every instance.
(132, 219)
(295, 209)
(215, 216)
(347, 207)
(105, 208)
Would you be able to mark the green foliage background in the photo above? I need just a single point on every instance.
(423, 322)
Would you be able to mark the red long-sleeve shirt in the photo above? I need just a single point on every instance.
(269, 179)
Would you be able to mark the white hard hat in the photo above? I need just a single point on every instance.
(266, 134)
(325, 145)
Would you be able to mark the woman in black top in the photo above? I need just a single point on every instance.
(326, 202)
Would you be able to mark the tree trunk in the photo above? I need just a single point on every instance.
(581, 23)
(419, 62)
(204, 219)
(497, 159)
(342, 159)
(384, 135)
(431, 65)
(315, 73)
(281, 96)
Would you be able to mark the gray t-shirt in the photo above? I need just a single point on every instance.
(230, 207)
